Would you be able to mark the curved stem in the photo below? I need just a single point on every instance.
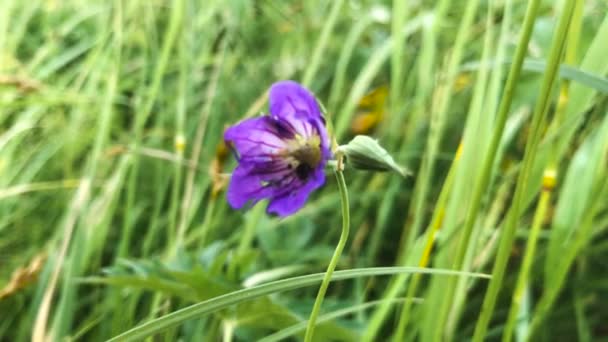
(334, 259)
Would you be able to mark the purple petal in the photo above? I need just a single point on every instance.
(255, 137)
(291, 200)
(246, 185)
(296, 105)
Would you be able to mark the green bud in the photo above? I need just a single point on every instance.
(365, 153)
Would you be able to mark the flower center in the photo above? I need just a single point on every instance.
(306, 153)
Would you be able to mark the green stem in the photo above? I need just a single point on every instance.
(508, 234)
(334, 259)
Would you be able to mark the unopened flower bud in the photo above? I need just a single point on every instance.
(365, 153)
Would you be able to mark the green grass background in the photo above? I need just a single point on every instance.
(112, 170)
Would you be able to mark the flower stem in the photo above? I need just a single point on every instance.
(334, 259)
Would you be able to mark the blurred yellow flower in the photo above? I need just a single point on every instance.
(371, 110)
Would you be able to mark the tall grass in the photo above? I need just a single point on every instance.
(113, 219)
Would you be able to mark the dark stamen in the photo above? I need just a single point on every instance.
(303, 171)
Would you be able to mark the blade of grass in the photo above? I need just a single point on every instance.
(315, 60)
(173, 29)
(481, 184)
(540, 111)
(367, 74)
(431, 233)
(594, 154)
(548, 183)
(399, 17)
(178, 317)
(348, 48)
(566, 72)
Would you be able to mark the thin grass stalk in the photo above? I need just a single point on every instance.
(425, 67)
(393, 186)
(169, 40)
(179, 144)
(399, 17)
(424, 75)
(377, 319)
(340, 73)
(4, 33)
(247, 237)
(581, 98)
(438, 120)
(367, 74)
(549, 179)
(118, 28)
(481, 185)
(170, 37)
(315, 60)
(431, 26)
(197, 144)
(436, 132)
(540, 111)
(81, 196)
(206, 226)
(475, 142)
(396, 96)
(81, 248)
(432, 231)
(568, 251)
(584, 232)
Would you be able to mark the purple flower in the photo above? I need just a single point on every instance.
(281, 156)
